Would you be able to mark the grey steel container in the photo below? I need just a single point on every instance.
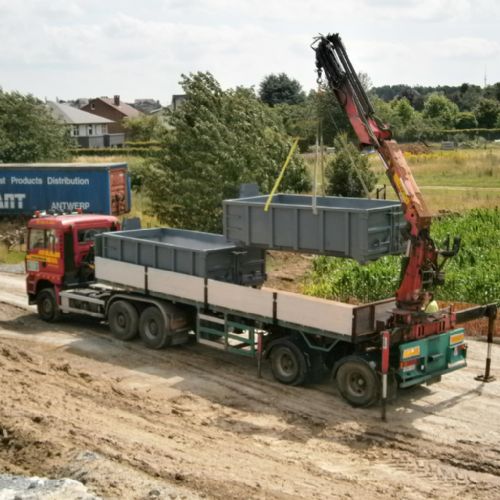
(357, 228)
(189, 252)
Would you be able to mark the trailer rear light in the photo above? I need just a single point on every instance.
(408, 366)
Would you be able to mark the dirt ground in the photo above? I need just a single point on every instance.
(191, 422)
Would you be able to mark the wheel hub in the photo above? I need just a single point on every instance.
(121, 320)
(153, 328)
(357, 384)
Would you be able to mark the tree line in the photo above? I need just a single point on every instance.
(220, 138)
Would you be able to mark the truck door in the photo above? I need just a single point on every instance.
(44, 252)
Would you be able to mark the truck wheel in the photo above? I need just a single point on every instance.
(123, 320)
(47, 306)
(152, 328)
(358, 382)
(288, 363)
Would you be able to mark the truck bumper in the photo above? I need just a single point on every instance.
(426, 359)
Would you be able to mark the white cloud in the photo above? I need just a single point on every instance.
(75, 48)
(464, 47)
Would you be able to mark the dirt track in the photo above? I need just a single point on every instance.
(190, 421)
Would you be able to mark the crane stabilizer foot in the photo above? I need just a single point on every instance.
(485, 379)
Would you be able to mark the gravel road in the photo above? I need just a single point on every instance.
(191, 422)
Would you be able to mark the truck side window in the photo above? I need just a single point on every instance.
(86, 235)
(36, 239)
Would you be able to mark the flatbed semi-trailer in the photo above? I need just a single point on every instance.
(162, 286)
(304, 337)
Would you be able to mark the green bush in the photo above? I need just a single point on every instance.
(142, 144)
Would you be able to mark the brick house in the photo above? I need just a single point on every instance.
(112, 109)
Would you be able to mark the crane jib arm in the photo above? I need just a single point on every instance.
(420, 269)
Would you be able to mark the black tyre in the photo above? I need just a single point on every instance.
(288, 363)
(152, 328)
(123, 320)
(47, 306)
(358, 382)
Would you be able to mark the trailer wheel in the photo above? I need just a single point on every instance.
(288, 363)
(123, 320)
(47, 306)
(152, 328)
(358, 382)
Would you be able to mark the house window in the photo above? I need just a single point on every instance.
(92, 106)
(76, 130)
(90, 130)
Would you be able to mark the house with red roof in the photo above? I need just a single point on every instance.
(113, 109)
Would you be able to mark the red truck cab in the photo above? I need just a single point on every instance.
(60, 254)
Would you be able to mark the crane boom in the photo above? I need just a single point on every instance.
(420, 267)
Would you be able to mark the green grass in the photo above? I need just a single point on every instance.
(465, 168)
(13, 257)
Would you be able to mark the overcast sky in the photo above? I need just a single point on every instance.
(138, 49)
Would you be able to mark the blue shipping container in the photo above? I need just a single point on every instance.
(102, 188)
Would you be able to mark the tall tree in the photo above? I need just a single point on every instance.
(219, 140)
(28, 132)
(144, 128)
(348, 173)
(465, 120)
(487, 112)
(440, 110)
(280, 89)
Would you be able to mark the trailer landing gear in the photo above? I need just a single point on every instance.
(487, 377)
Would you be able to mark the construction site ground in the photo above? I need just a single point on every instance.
(191, 422)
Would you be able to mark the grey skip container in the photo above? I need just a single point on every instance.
(189, 252)
(356, 228)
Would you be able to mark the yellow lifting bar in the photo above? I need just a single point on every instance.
(282, 173)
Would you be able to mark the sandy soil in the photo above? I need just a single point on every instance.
(192, 422)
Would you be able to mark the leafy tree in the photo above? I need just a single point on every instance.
(487, 112)
(144, 128)
(280, 89)
(404, 111)
(492, 91)
(28, 131)
(465, 119)
(469, 96)
(406, 124)
(348, 173)
(219, 140)
(440, 110)
(319, 109)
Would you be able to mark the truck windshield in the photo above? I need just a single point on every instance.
(42, 238)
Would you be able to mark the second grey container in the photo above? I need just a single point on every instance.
(189, 252)
(357, 228)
